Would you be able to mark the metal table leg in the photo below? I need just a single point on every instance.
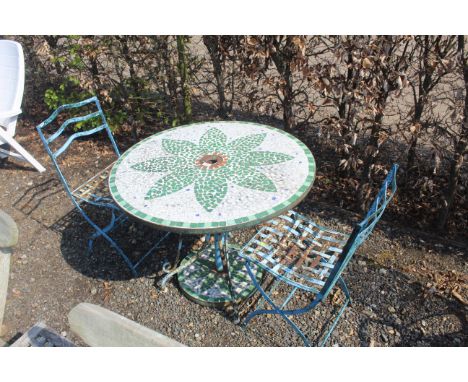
(171, 270)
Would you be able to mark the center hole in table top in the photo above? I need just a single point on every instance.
(211, 161)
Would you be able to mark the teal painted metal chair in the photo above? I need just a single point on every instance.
(305, 256)
(94, 191)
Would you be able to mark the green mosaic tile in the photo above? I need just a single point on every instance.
(210, 165)
(171, 183)
(185, 168)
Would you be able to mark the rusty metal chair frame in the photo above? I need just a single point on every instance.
(95, 190)
(309, 257)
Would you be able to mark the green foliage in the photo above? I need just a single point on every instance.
(361, 94)
(116, 119)
(68, 91)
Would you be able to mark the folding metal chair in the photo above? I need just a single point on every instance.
(305, 256)
(95, 190)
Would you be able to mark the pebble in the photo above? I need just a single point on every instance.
(368, 312)
(129, 300)
(64, 334)
(423, 323)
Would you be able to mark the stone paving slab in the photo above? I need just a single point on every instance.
(8, 231)
(101, 327)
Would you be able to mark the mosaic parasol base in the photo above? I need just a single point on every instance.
(202, 283)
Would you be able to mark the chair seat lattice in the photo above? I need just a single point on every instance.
(310, 257)
(95, 189)
(296, 250)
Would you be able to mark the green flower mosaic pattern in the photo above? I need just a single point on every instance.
(210, 165)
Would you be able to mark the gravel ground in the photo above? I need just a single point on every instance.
(407, 287)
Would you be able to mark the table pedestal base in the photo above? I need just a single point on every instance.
(202, 283)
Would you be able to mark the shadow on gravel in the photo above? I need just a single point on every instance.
(12, 164)
(103, 262)
(397, 311)
(33, 197)
(389, 227)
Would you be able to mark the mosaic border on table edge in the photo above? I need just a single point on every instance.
(219, 226)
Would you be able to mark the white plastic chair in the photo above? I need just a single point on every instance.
(11, 95)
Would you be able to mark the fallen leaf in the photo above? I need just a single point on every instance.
(459, 297)
(366, 63)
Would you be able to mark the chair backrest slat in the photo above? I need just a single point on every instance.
(61, 108)
(88, 116)
(77, 135)
(64, 125)
(363, 229)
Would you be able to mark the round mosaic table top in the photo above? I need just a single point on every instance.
(212, 176)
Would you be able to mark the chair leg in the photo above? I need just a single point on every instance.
(275, 310)
(103, 232)
(91, 242)
(137, 264)
(344, 288)
(115, 221)
(119, 250)
(98, 232)
(284, 313)
(347, 301)
(21, 151)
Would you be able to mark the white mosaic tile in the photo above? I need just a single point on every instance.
(211, 172)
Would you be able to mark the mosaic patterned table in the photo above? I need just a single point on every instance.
(213, 178)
